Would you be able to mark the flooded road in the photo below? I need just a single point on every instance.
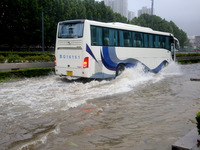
(137, 111)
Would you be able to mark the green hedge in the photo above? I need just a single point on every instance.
(2, 59)
(188, 61)
(14, 58)
(198, 121)
(24, 54)
(41, 58)
(187, 54)
(28, 73)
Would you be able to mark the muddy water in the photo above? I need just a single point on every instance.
(139, 111)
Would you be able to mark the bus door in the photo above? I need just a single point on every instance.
(173, 51)
(172, 47)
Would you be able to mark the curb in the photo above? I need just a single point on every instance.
(188, 142)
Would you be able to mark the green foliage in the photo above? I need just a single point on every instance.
(28, 73)
(18, 57)
(188, 61)
(24, 54)
(13, 58)
(187, 54)
(2, 59)
(198, 121)
(188, 58)
(21, 20)
(160, 24)
(41, 58)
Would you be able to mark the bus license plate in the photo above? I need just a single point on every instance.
(69, 73)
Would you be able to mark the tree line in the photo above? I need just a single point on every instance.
(160, 24)
(21, 20)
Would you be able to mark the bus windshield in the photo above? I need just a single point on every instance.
(70, 30)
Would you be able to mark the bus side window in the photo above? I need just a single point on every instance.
(106, 41)
(156, 41)
(105, 36)
(113, 37)
(121, 38)
(96, 36)
(167, 42)
(139, 39)
(93, 36)
(146, 42)
(150, 41)
(133, 39)
(162, 42)
(127, 39)
(116, 35)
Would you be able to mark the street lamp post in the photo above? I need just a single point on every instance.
(43, 28)
(152, 14)
(42, 31)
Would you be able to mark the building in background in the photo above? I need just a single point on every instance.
(106, 2)
(192, 42)
(131, 15)
(197, 42)
(119, 6)
(145, 10)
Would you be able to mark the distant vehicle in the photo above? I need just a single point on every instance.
(92, 49)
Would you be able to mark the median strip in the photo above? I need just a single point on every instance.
(24, 73)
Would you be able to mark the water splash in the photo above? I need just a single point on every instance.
(40, 95)
(172, 69)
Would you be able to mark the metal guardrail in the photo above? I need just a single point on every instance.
(17, 66)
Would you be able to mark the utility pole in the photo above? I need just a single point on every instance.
(152, 14)
(42, 31)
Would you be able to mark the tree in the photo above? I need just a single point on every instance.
(21, 20)
(160, 24)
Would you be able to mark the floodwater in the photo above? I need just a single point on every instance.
(135, 111)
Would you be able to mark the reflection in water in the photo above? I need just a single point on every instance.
(134, 111)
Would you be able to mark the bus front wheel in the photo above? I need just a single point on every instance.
(120, 69)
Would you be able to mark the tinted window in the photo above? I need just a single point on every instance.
(96, 36)
(113, 37)
(146, 40)
(139, 39)
(73, 30)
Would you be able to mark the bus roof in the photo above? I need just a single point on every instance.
(119, 25)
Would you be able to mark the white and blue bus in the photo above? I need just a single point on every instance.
(92, 49)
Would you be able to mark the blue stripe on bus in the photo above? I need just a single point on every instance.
(106, 59)
(90, 52)
(107, 64)
(113, 55)
(110, 61)
(157, 69)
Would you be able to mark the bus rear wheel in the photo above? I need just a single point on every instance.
(120, 69)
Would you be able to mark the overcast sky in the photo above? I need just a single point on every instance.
(184, 13)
